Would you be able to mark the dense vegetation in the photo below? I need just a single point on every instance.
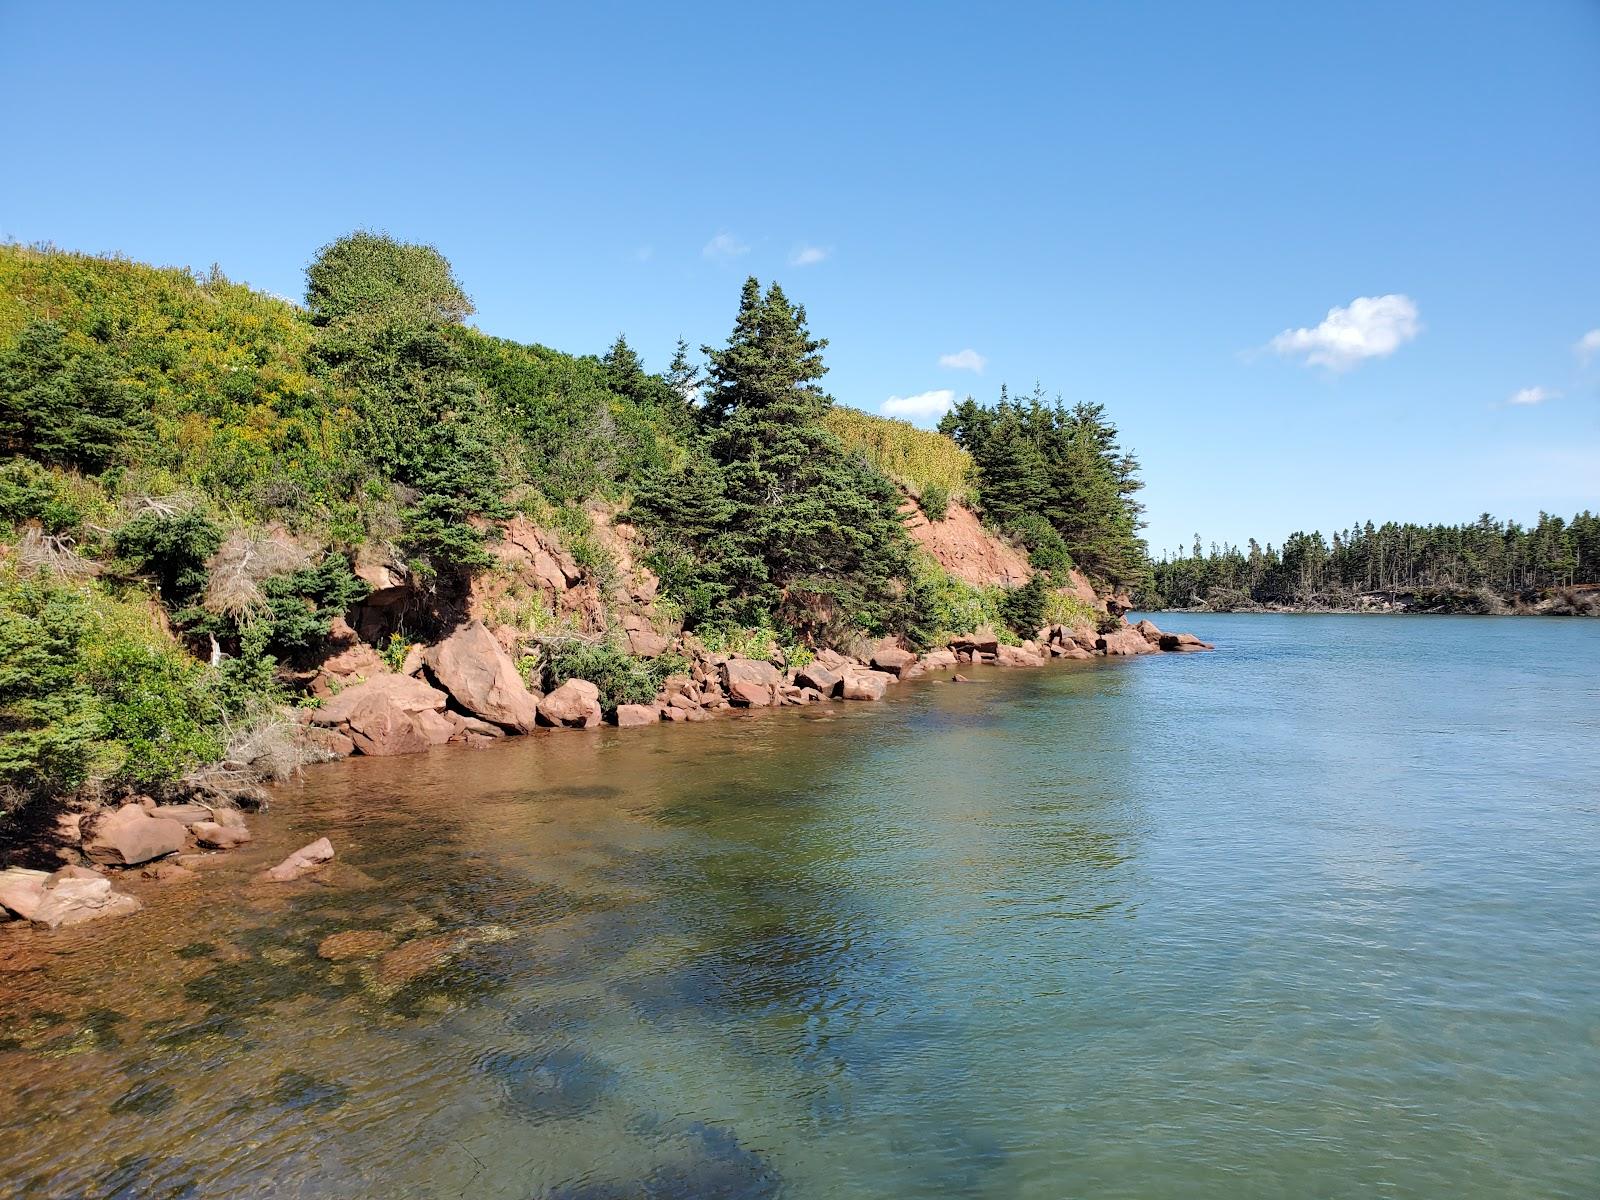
(1468, 566)
(1056, 479)
(192, 474)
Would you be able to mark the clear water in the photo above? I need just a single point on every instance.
(1315, 915)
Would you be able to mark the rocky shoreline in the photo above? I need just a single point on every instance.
(465, 690)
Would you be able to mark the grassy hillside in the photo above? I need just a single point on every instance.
(926, 464)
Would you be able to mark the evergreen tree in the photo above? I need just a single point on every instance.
(805, 535)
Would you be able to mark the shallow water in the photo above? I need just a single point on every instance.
(1315, 915)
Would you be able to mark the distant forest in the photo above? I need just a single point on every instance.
(1476, 567)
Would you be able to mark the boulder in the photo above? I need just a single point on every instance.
(749, 670)
(473, 668)
(187, 814)
(866, 685)
(379, 727)
(168, 870)
(676, 714)
(1017, 656)
(982, 641)
(436, 728)
(301, 862)
(824, 680)
(131, 836)
(958, 678)
(1183, 641)
(939, 660)
(219, 837)
(69, 897)
(647, 643)
(573, 705)
(1125, 640)
(631, 716)
(328, 742)
(403, 692)
(892, 659)
(750, 695)
(1147, 630)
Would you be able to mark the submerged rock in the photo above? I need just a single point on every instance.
(70, 896)
(356, 943)
(301, 862)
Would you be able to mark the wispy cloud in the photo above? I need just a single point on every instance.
(1531, 395)
(725, 246)
(923, 404)
(964, 360)
(810, 256)
(1587, 346)
(1368, 327)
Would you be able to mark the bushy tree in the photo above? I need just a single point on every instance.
(806, 535)
(365, 274)
(62, 403)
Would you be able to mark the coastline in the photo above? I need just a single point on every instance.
(471, 701)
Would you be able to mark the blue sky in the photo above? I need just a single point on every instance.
(1138, 204)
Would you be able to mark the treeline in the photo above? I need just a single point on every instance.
(1056, 479)
(1493, 559)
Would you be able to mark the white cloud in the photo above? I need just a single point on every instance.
(964, 360)
(725, 246)
(1532, 395)
(809, 256)
(1587, 346)
(923, 404)
(1369, 327)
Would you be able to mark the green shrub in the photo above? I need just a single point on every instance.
(1063, 608)
(1022, 608)
(621, 678)
(172, 547)
(49, 721)
(935, 501)
(947, 606)
(160, 711)
(1046, 549)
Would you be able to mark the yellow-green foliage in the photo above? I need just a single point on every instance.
(1063, 608)
(955, 607)
(221, 369)
(914, 458)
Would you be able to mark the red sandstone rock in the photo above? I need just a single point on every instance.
(1017, 656)
(68, 897)
(748, 670)
(473, 667)
(301, 862)
(631, 716)
(131, 836)
(647, 643)
(404, 692)
(219, 837)
(866, 685)
(823, 679)
(379, 727)
(573, 705)
(893, 659)
(750, 695)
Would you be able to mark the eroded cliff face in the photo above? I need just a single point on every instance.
(973, 554)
